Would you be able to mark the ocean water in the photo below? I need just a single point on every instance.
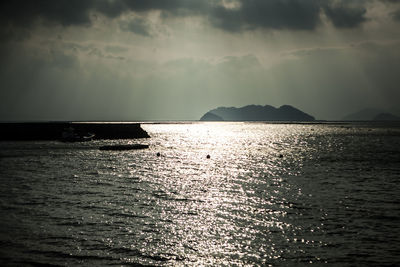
(270, 194)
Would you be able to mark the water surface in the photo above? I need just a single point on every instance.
(278, 194)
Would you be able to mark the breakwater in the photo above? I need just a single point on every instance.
(54, 130)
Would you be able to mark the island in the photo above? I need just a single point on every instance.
(257, 113)
(211, 117)
(24, 131)
(386, 117)
(371, 114)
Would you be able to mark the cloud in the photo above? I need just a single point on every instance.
(138, 26)
(175, 7)
(77, 12)
(64, 12)
(254, 14)
(244, 15)
(245, 63)
(115, 49)
(88, 60)
(393, 5)
(396, 15)
(345, 16)
(99, 53)
(391, 1)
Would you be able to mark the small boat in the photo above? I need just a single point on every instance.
(124, 147)
(69, 135)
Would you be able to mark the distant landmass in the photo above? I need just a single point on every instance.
(211, 117)
(257, 113)
(371, 114)
(386, 117)
(366, 114)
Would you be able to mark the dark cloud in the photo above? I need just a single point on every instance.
(344, 16)
(172, 6)
(283, 14)
(64, 12)
(77, 12)
(110, 9)
(251, 14)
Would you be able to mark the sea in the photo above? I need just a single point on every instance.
(206, 194)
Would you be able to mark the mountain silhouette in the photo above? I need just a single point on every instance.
(386, 117)
(257, 113)
(211, 117)
(366, 114)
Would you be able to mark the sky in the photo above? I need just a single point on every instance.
(141, 60)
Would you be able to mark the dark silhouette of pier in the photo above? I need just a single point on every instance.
(53, 130)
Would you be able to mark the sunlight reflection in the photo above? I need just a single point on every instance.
(236, 200)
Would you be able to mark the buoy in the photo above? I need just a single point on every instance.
(208, 156)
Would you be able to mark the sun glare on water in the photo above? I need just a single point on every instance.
(231, 201)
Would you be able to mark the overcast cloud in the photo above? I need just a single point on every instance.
(174, 60)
